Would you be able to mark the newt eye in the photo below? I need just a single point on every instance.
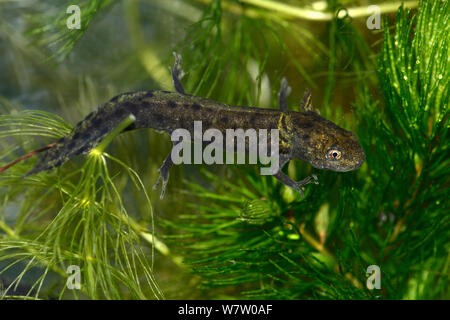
(334, 154)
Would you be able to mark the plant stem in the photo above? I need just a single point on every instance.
(321, 248)
(316, 15)
(125, 123)
(10, 232)
(150, 238)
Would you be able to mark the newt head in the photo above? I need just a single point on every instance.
(325, 145)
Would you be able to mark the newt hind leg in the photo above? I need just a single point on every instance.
(164, 173)
(177, 73)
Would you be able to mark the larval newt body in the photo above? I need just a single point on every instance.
(303, 135)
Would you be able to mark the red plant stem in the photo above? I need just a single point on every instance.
(30, 154)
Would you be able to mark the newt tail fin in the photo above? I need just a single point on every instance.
(86, 135)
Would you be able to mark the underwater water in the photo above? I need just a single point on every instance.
(93, 227)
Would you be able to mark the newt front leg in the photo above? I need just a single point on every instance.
(285, 90)
(286, 180)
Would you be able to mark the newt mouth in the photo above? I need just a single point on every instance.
(353, 167)
(360, 162)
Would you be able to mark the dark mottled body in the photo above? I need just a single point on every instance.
(304, 135)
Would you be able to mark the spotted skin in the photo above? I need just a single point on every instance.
(303, 134)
